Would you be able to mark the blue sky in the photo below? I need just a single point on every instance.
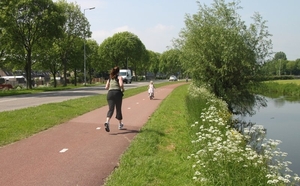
(157, 22)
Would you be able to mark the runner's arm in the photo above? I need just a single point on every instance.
(121, 83)
(107, 85)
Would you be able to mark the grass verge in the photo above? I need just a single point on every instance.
(19, 124)
(288, 81)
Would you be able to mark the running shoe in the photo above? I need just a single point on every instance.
(106, 125)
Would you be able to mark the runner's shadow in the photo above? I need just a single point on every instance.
(155, 99)
(138, 131)
(125, 131)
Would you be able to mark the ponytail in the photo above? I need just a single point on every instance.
(114, 72)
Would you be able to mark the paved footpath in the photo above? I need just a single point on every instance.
(79, 152)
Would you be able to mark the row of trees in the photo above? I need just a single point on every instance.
(41, 34)
(216, 48)
(279, 65)
(50, 36)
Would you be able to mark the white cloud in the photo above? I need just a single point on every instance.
(120, 29)
(101, 35)
(161, 28)
(157, 38)
(87, 4)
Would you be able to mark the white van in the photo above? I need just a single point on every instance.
(126, 75)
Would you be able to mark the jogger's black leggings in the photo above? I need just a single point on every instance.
(114, 99)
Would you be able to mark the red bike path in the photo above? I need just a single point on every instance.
(79, 152)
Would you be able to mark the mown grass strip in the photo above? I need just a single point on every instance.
(288, 81)
(22, 123)
(158, 154)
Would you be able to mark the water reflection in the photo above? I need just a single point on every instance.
(281, 118)
(279, 102)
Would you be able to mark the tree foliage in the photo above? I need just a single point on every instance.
(221, 51)
(170, 62)
(49, 61)
(2, 46)
(154, 62)
(123, 49)
(26, 24)
(92, 57)
(280, 55)
(279, 65)
(75, 27)
(42, 35)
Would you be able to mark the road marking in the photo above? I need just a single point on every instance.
(127, 139)
(13, 99)
(63, 150)
(8, 100)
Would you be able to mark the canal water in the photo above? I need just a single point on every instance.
(281, 118)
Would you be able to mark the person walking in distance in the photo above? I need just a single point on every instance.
(151, 90)
(115, 88)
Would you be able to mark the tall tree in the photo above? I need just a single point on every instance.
(123, 49)
(154, 62)
(280, 55)
(92, 58)
(2, 46)
(28, 23)
(218, 49)
(49, 61)
(291, 67)
(297, 68)
(76, 26)
(170, 62)
(76, 61)
(280, 61)
(145, 63)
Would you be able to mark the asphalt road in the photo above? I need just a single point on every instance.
(29, 100)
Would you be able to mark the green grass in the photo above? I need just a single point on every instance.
(22, 123)
(294, 81)
(158, 155)
(274, 89)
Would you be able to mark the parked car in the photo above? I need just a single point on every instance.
(173, 78)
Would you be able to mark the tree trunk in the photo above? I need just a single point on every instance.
(28, 69)
(90, 76)
(54, 79)
(65, 71)
(75, 76)
(28, 80)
